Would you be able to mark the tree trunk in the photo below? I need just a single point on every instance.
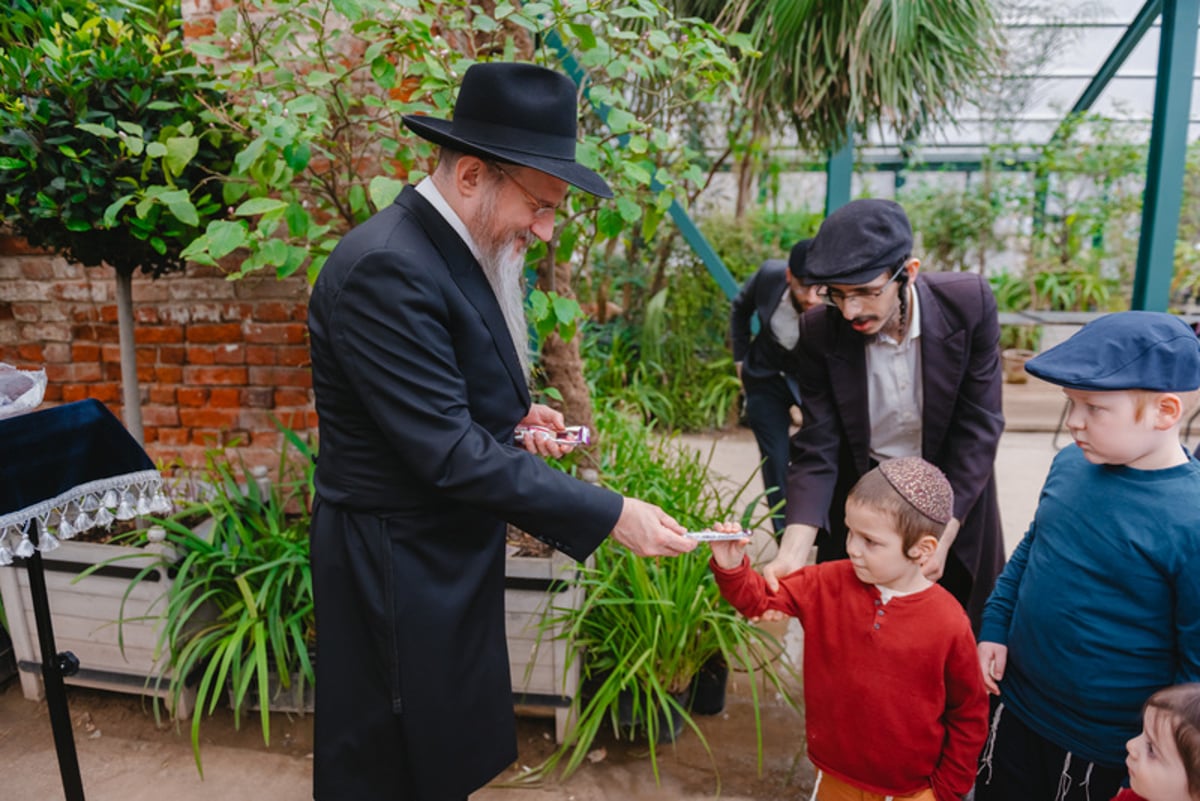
(561, 361)
(131, 393)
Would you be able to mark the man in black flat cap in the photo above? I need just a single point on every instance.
(420, 375)
(894, 366)
(764, 361)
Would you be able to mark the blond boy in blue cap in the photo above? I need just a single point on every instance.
(1099, 606)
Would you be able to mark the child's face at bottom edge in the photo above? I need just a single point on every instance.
(875, 548)
(1156, 770)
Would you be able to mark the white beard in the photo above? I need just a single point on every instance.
(505, 272)
(504, 266)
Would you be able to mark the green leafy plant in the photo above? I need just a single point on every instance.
(239, 613)
(647, 625)
(105, 154)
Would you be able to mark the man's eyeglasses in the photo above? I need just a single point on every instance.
(540, 207)
(836, 297)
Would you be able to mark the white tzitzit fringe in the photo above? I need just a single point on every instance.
(1064, 779)
(989, 747)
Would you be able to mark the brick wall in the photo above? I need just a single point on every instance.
(215, 358)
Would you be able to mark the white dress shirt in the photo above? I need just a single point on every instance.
(894, 391)
(428, 190)
(785, 321)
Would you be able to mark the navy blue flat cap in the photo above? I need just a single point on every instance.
(798, 262)
(1126, 350)
(858, 242)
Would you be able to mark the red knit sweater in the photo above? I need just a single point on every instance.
(1127, 795)
(893, 693)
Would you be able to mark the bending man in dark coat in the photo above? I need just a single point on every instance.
(894, 366)
(764, 361)
(420, 374)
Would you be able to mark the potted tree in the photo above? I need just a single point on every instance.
(105, 153)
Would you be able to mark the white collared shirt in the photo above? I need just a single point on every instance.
(785, 321)
(430, 192)
(894, 391)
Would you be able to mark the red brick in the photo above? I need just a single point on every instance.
(145, 315)
(258, 397)
(293, 419)
(276, 333)
(293, 356)
(105, 393)
(173, 436)
(221, 332)
(158, 335)
(57, 352)
(191, 396)
(68, 373)
(32, 353)
(163, 395)
(74, 392)
(280, 377)
(145, 373)
(230, 354)
(225, 398)
(110, 353)
(198, 28)
(272, 312)
(85, 314)
(160, 416)
(300, 313)
(107, 333)
(6, 311)
(209, 439)
(201, 354)
(84, 352)
(16, 246)
(108, 314)
(149, 435)
(203, 376)
(112, 371)
(168, 374)
(261, 355)
(266, 439)
(208, 418)
(171, 354)
(26, 312)
(291, 396)
(54, 393)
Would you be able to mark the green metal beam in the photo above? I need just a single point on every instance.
(1167, 159)
(687, 227)
(839, 171)
(1121, 50)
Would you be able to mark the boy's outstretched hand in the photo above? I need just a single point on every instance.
(728, 553)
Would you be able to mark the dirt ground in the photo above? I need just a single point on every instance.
(125, 755)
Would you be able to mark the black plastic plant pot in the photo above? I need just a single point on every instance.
(708, 687)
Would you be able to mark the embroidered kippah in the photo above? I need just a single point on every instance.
(922, 485)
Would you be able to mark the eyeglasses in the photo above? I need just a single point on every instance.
(540, 207)
(836, 297)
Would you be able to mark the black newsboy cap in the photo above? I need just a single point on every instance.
(858, 242)
(1125, 350)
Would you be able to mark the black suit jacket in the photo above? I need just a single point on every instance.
(761, 355)
(961, 419)
(418, 389)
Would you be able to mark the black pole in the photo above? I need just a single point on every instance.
(54, 666)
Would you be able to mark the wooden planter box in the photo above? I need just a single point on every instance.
(85, 614)
(542, 680)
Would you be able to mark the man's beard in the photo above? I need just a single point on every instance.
(503, 264)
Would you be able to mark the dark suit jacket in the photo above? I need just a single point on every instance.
(418, 389)
(961, 418)
(761, 355)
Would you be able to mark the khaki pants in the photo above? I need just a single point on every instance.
(829, 788)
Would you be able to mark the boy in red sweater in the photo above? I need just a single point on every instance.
(893, 694)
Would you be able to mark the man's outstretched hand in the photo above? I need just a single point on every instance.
(649, 531)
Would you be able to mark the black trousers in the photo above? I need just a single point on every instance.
(768, 411)
(1017, 764)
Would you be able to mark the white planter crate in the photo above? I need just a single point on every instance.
(541, 678)
(84, 615)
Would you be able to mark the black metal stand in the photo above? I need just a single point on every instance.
(54, 667)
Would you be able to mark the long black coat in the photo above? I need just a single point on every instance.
(961, 418)
(418, 389)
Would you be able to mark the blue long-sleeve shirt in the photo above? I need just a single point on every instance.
(1100, 603)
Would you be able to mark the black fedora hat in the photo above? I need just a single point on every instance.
(518, 113)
